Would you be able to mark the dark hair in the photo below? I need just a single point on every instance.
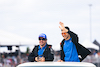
(67, 28)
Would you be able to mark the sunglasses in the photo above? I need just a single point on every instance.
(63, 33)
(41, 38)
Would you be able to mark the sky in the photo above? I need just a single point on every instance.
(29, 18)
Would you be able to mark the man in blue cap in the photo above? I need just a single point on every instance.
(42, 52)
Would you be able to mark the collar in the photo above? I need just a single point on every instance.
(69, 39)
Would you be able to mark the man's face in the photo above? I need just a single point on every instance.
(65, 35)
(42, 41)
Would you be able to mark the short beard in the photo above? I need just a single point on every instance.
(43, 45)
(67, 38)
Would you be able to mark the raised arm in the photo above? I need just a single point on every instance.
(62, 27)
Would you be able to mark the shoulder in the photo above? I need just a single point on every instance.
(62, 42)
(49, 46)
(35, 47)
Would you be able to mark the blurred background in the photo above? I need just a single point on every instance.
(21, 22)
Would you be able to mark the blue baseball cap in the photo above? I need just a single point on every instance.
(43, 35)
